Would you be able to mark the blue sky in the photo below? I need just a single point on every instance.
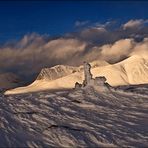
(58, 17)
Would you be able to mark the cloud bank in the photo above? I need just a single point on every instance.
(34, 52)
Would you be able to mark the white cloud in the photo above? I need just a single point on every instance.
(33, 52)
(103, 25)
(134, 23)
(39, 53)
(141, 48)
(118, 50)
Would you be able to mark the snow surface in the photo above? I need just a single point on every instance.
(75, 118)
(133, 70)
(56, 72)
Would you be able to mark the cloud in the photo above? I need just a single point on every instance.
(104, 25)
(141, 48)
(117, 51)
(34, 52)
(134, 24)
(111, 31)
(31, 57)
(94, 35)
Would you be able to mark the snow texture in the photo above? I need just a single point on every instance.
(76, 118)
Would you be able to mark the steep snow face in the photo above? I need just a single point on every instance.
(56, 72)
(133, 70)
(9, 80)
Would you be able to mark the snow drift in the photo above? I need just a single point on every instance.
(133, 70)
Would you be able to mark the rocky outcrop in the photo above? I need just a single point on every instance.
(98, 83)
(87, 74)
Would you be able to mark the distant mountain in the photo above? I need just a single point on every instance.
(59, 71)
(9, 80)
(133, 70)
(56, 72)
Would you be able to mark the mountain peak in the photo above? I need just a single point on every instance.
(56, 72)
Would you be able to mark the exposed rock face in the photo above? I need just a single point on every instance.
(98, 83)
(87, 74)
(78, 85)
(56, 72)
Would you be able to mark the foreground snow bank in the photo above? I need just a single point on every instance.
(76, 118)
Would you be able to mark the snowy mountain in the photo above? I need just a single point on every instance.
(59, 71)
(133, 70)
(56, 72)
(9, 80)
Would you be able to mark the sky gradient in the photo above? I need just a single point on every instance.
(59, 17)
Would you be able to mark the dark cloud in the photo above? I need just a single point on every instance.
(111, 31)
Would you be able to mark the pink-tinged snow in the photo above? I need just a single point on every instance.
(82, 118)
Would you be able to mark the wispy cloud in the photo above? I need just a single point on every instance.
(103, 25)
(81, 23)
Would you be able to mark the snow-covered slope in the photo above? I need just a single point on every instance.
(56, 72)
(133, 70)
(82, 118)
(9, 80)
(59, 71)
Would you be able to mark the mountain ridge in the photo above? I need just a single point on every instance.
(130, 71)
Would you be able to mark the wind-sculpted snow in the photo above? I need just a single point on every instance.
(75, 118)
